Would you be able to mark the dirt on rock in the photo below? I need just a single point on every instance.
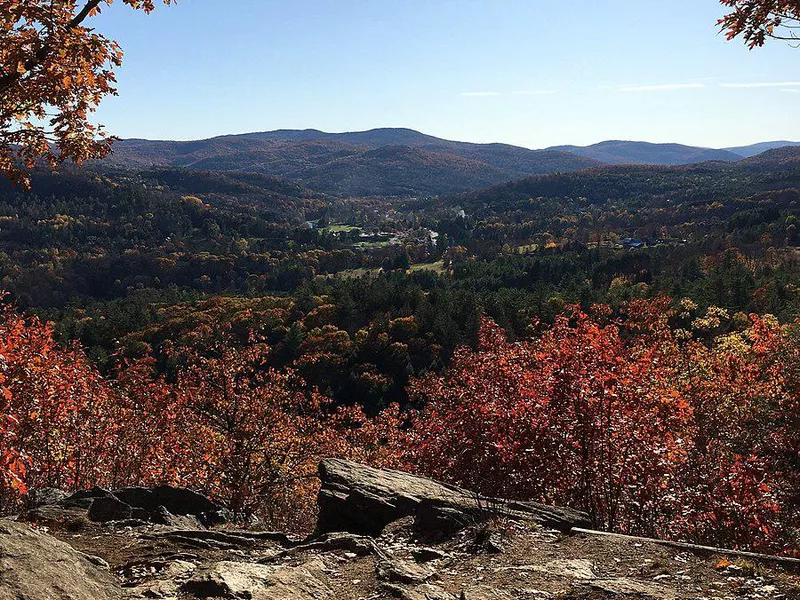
(510, 555)
(535, 564)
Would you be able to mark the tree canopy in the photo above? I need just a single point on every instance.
(54, 70)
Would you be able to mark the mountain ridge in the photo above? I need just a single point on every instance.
(410, 163)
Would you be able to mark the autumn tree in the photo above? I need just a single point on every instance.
(757, 20)
(650, 427)
(54, 71)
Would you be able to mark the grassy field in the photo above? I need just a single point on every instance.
(436, 267)
(340, 228)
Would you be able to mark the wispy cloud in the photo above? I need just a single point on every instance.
(479, 94)
(533, 92)
(665, 87)
(790, 90)
(762, 84)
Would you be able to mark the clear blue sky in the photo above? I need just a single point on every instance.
(529, 72)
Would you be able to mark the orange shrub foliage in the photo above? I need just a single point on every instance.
(634, 422)
(649, 427)
(229, 427)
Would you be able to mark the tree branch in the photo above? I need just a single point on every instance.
(8, 80)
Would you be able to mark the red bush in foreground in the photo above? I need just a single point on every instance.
(654, 423)
(646, 429)
(244, 434)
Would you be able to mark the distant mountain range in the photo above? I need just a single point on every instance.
(753, 149)
(394, 161)
(617, 152)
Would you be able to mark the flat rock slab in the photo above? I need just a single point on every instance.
(36, 566)
(362, 499)
(228, 579)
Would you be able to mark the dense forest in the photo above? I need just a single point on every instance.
(634, 325)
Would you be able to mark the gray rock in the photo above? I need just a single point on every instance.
(177, 502)
(107, 509)
(163, 517)
(164, 584)
(36, 566)
(85, 498)
(57, 514)
(400, 571)
(425, 554)
(420, 592)
(45, 496)
(364, 500)
(227, 579)
(358, 544)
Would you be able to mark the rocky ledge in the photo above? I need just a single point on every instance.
(381, 534)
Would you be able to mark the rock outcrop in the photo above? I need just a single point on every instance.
(383, 550)
(362, 499)
(232, 579)
(164, 504)
(37, 566)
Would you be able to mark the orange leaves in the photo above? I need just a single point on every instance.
(229, 426)
(757, 20)
(50, 60)
(646, 432)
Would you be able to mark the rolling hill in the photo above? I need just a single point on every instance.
(619, 152)
(377, 162)
(753, 149)
(638, 186)
(398, 161)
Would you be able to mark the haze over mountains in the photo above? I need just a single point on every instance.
(400, 162)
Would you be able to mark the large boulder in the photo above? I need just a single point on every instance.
(103, 510)
(45, 496)
(163, 504)
(178, 501)
(363, 500)
(36, 566)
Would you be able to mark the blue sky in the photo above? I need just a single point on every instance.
(529, 72)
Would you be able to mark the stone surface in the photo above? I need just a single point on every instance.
(44, 496)
(488, 559)
(107, 509)
(228, 579)
(361, 499)
(163, 517)
(165, 583)
(165, 505)
(417, 592)
(400, 571)
(36, 566)
(631, 588)
(178, 501)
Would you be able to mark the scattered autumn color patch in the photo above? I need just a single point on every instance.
(634, 420)
(652, 420)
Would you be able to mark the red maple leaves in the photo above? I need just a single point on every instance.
(645, 420)
(648, 431)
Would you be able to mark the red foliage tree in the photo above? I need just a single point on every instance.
(54, 70)
(229, 426)
(758, 20)
(646, 430)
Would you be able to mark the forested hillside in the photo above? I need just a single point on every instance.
(381, 162)
(403, 326)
